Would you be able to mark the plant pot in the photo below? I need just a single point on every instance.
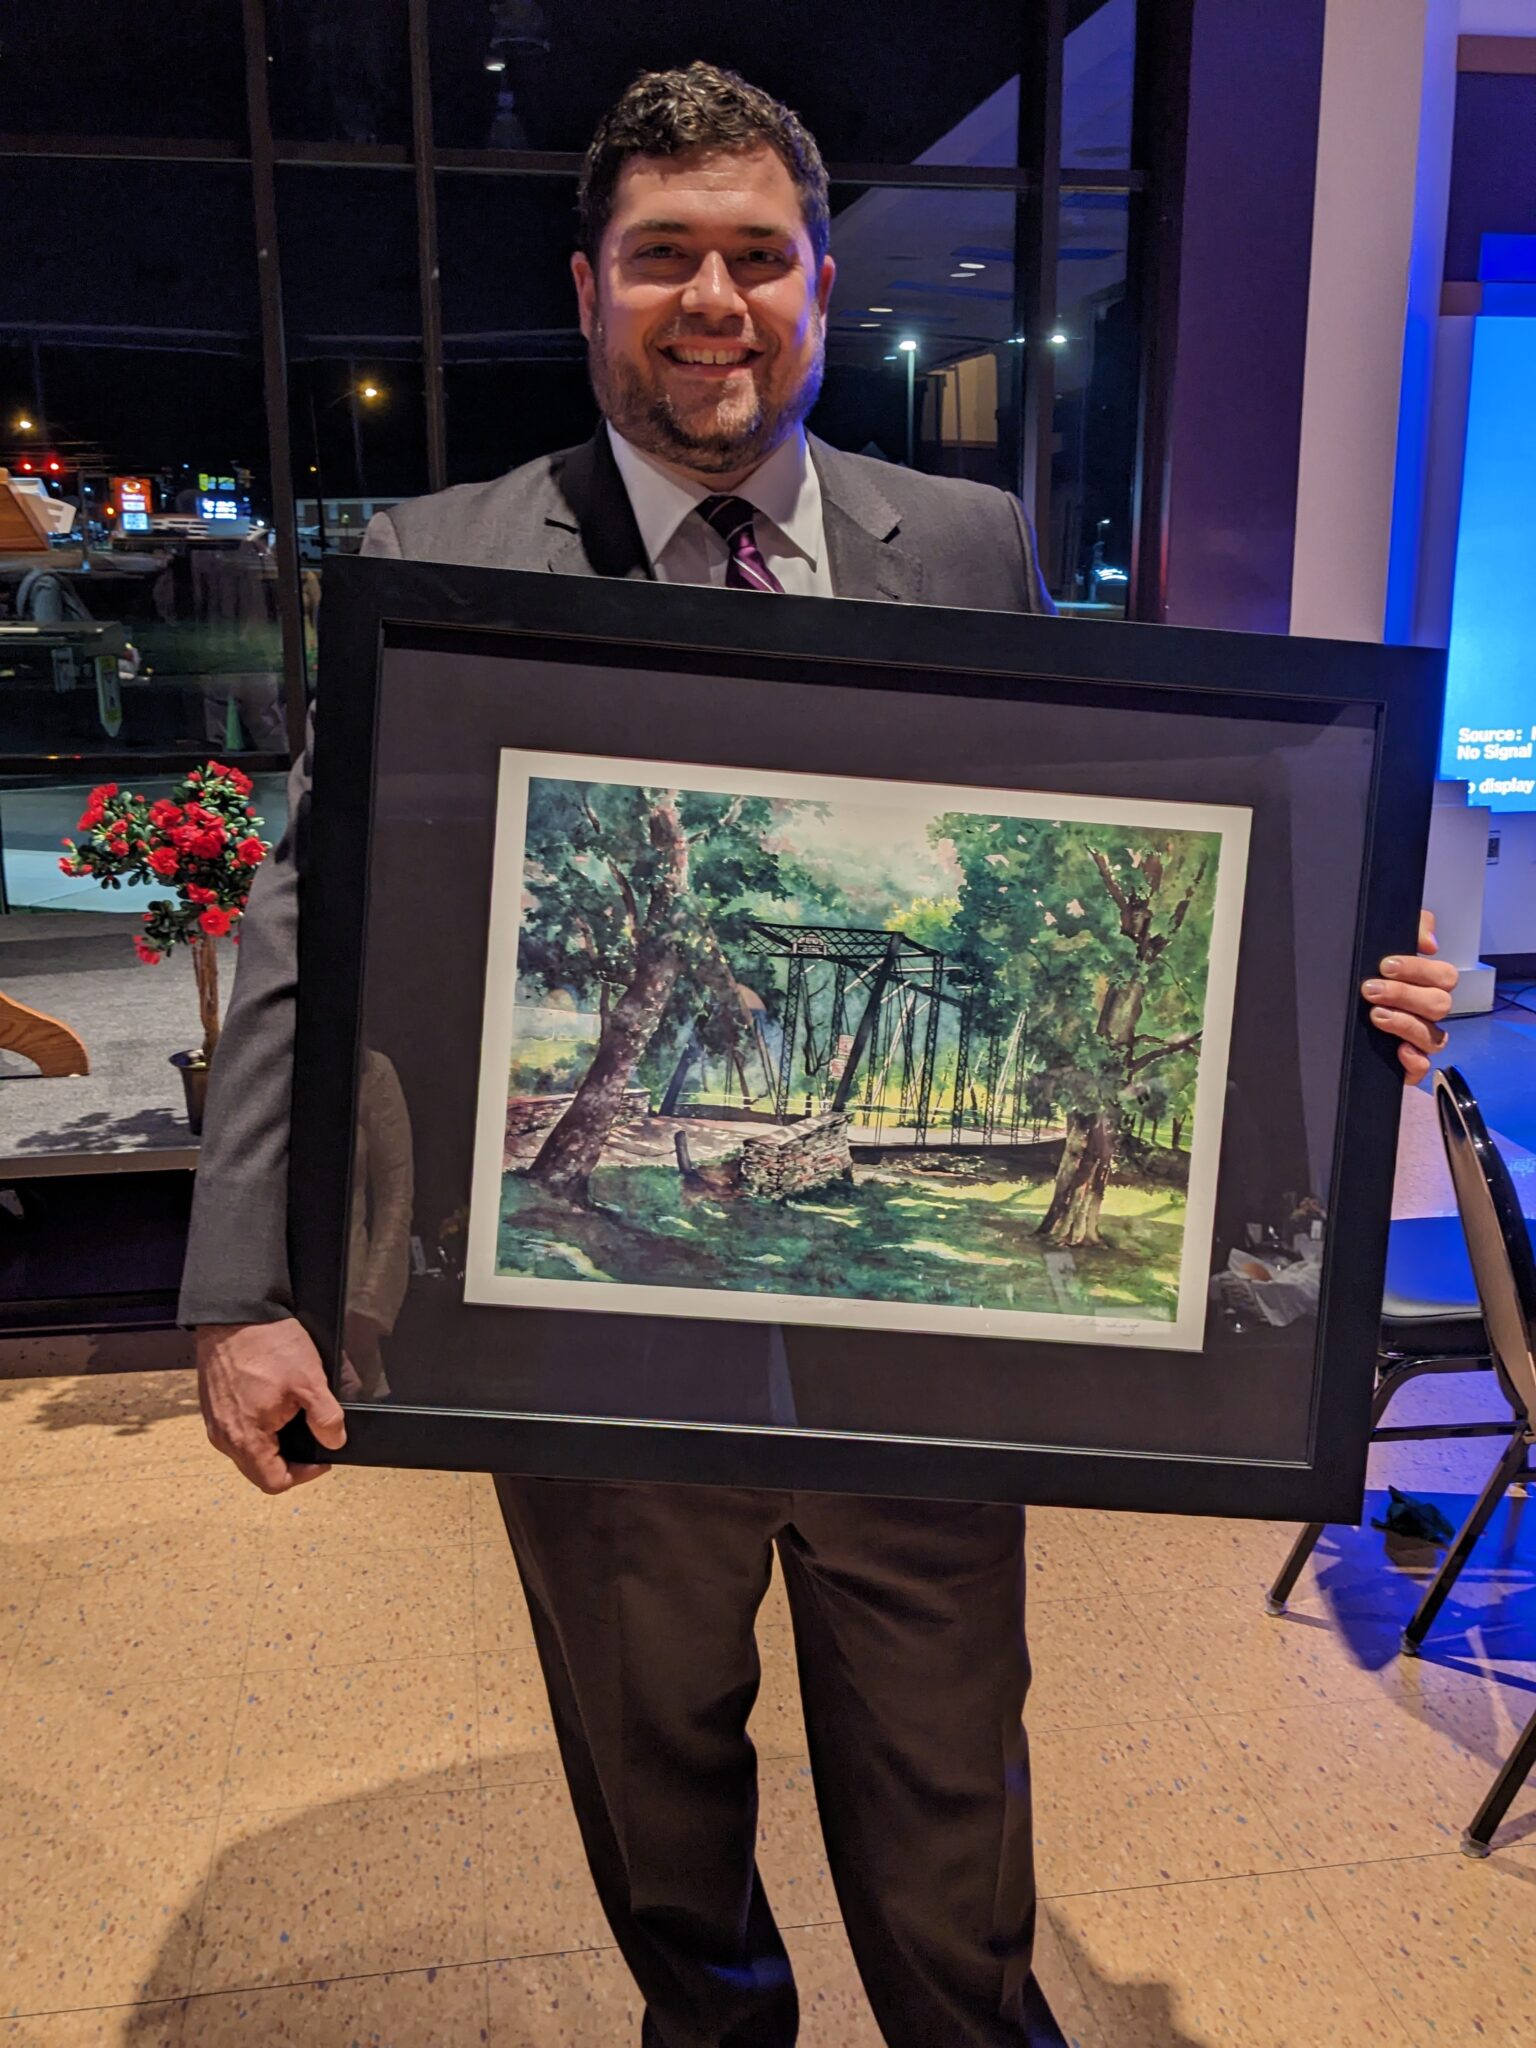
(193, 1068)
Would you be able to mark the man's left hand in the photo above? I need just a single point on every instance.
(1410, 998)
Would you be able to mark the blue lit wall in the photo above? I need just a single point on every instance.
(1490, 716)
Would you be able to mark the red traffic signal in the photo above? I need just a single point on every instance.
(54, 465)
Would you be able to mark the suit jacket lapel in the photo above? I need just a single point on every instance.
(864, 550)
(593, 531)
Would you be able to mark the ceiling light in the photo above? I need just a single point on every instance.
(1058, 339)
(907, 347)
(495, 63)
(960, 273)
(972, 266)
(880, 309)
(871, 323)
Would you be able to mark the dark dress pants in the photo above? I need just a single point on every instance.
(909, 1629)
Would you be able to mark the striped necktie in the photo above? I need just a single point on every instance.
(732, 520)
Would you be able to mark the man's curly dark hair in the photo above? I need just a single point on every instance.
(667, 113)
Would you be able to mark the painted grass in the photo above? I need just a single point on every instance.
(895, 1236)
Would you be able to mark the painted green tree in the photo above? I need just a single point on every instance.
(1099, 937)
(637, 902)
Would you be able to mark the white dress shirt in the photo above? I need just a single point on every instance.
(784, 492)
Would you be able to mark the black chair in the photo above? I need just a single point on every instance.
(1430, 1323)
(1504, 1270)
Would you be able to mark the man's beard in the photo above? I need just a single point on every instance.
(645, 415)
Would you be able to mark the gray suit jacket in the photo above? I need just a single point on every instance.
(891, 533)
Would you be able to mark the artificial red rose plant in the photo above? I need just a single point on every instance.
(203, 838)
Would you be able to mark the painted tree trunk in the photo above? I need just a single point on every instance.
(1081, 1178)
(572, 1149)
(1089, 1151)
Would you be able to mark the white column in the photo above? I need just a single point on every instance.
(1377, 240)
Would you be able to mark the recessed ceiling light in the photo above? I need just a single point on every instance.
(972, 266)
(960, 273)
(881, 309)
(871, 323)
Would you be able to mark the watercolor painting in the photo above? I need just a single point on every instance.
(797, 1048)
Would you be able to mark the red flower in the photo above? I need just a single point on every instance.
(145, 952)
(164, 813)
(210, 844)
(241, 780)
(67, 866)
(103, 792)
(164, 862)
(91, 817)
(250, 853)
(196, 893)
(215, 923)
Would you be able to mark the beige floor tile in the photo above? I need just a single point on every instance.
(1153, 1555)
(1057, 1978)
(129, 1753)
(109, 1628)
(1229, 1655)
(20, 1590)
(393, 1883)
(774, 1612)
(361, 1604)
(586, 2000)
(95, 1915)
(114, 1517)
(402, 2009)
(112, 2026)
(138, 1422)
(1062, 1553)
(1092, 1663)
(502, 1627)
(1450, 1944)
(305, 1735)
(790, 1851)
(1341, 1784)
(539, 1895)
(1245, 1963)
(399, 1508)
(777, 1725)
(1142, 1805)
(834, 2012)
(517, 1734)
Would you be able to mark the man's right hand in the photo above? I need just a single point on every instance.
(252, 1378)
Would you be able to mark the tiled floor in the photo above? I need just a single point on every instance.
(282, 1772)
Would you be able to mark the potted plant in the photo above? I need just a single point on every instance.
(203, 839)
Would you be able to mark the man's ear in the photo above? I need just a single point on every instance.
(824, 282)
(586, 292)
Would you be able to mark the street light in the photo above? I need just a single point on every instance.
(908, 348)
(1058, 339)
(24, 425)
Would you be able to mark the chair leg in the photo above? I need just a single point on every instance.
(1387, 1384)
(1508, 1469)
(1479, 1836)
(1292, 1569)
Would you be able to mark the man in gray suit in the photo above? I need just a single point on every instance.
(703, 279)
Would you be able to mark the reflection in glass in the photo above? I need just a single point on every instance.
(134, 442)
(536, 74)
(1097, 77)
(379, 1240)
(340, 71)
(1087, 549)
(935, 268)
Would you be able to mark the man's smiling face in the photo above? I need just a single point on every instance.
(705, 313)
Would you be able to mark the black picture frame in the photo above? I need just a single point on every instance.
(376, 611)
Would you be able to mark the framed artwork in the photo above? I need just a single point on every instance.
(848, 1046)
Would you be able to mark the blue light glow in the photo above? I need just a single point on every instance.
(1490, 710)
